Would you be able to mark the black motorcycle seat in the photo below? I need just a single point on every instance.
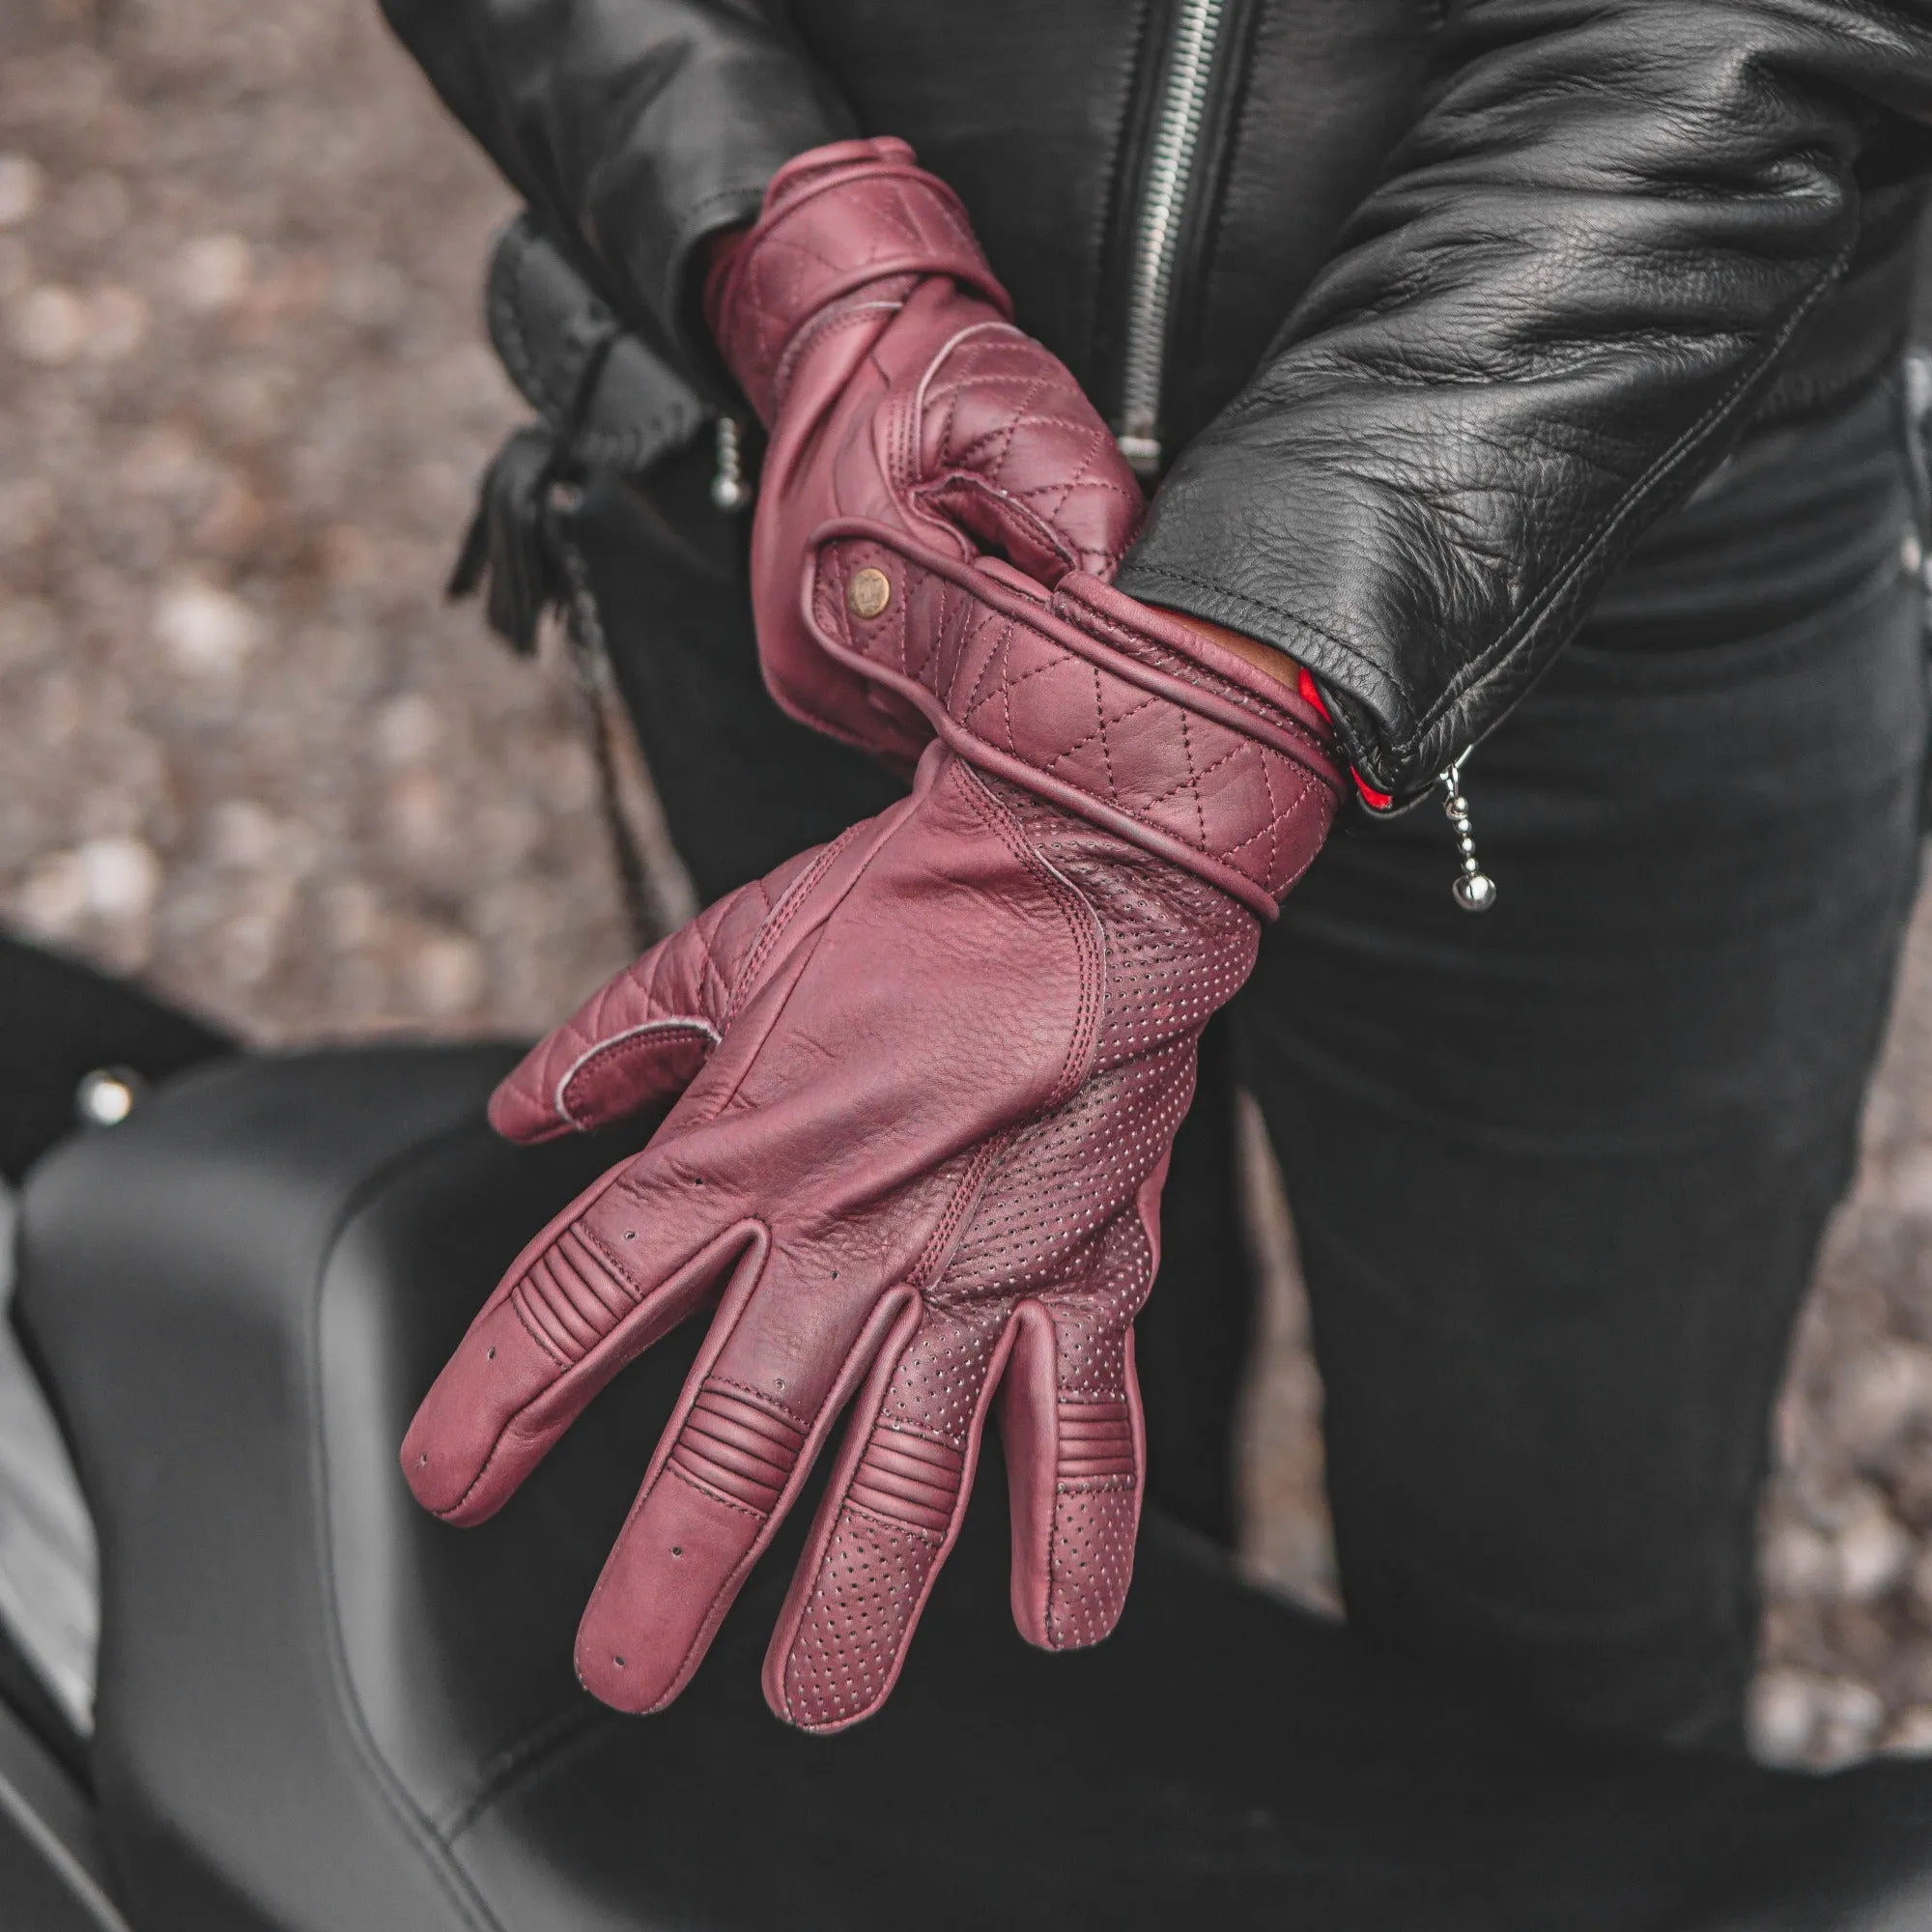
(319, 1709)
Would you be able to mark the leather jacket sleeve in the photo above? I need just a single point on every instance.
(1541, 331)
(632, 128)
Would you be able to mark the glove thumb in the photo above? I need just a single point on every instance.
(639, 1040)
(1012, 450)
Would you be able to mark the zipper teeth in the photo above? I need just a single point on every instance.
(1183, 105)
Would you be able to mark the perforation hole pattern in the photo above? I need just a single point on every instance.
(845, 1653)
(1092, 1562)
(1057, 1219)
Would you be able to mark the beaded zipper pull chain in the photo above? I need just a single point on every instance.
(1474, 889)
(731, 491)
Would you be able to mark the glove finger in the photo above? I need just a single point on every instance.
(757, 1409)
(890, 1517)
(625, 1262)
(1075, 1443)
(566, 1318)
(641, 1038)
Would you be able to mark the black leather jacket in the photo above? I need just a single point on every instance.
(1432, 306)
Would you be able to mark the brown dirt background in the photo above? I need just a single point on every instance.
(253, 757)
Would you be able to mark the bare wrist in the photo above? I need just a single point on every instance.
(1277, 665)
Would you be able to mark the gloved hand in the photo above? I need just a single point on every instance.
(930, 1076)
(869, 332)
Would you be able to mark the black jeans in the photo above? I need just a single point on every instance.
(1559, 1171)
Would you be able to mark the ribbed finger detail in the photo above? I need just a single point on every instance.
(909, 1479)
(1097, 1439)
(736, 1448)
(568, 1299)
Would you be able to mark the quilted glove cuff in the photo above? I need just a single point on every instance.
(837, 224)
(1091, 699)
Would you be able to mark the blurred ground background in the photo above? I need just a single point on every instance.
(248, 753)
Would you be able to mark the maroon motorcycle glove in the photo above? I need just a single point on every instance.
(926, 1079)
(865, 327)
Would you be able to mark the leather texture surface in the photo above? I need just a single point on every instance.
(836, 222)
(926, 1079)
(861, 317)
(916, 433)
(1542, 327)
(547, 327)
(1469, 293)
(323, 1710)
(1101, 704)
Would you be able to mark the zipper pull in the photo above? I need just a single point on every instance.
(1140, 443)
(1476, 890)
(730, 492)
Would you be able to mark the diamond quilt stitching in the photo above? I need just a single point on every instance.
(992, 672)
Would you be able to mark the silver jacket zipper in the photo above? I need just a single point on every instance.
(1170, 175)
(1177, 140)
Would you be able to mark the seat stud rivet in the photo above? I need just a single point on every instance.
(107, 1096)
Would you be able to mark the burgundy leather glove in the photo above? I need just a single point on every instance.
(929, 1078)
(926, 1077)
(867, 330)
